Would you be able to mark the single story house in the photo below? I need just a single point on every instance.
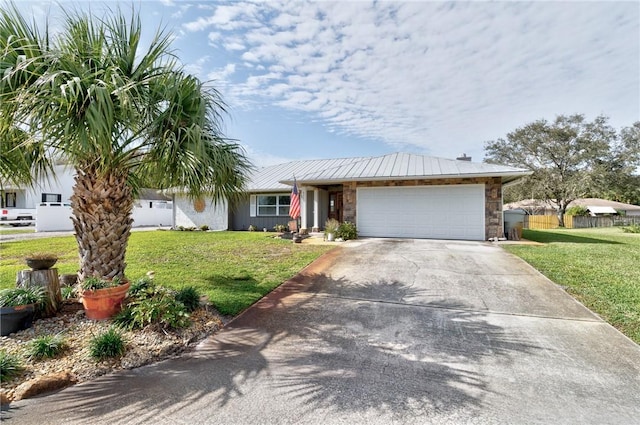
(596, 206)
(604, 206)
(394, 195)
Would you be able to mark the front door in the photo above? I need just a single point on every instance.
(335, 205)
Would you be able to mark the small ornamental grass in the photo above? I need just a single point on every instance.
(47, 346)
(92, 283)
(107, 344)
(10, 366)
(22, 296)
(68, 292)
(190, 297)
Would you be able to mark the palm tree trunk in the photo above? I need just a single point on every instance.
(102, 207)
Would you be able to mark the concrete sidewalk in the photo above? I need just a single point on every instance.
(378, 332)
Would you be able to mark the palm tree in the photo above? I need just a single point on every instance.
(124, 117)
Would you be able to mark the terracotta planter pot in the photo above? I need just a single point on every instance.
(14, 319)
(103, 303)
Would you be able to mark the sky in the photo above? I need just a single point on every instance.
(308, 80)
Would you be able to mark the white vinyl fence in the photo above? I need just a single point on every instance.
(58, 218)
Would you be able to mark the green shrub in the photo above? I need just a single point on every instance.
(140, 286)
(204, 227)
(47, 346)
(634, 228)
(280, 228)
(253, 228)
(107, 344)
(347, 231)
(10, 365)
(149, 304)
(577, 210)
(190, 297)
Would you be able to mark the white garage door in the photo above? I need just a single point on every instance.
(432, 212)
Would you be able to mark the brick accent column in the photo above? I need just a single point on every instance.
(493, 208)
(349, 202)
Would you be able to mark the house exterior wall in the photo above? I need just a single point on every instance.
(493, 198)
(241, 217)
(61, 183)
(323, 207)
(186, 214)
(309, 207)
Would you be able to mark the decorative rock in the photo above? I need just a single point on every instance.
(143, 346)
(4, 398)
(44, 384)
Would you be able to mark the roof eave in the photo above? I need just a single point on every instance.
(506, 178)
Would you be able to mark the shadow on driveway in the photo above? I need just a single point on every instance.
(308, 356)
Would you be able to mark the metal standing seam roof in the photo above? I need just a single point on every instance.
(391, 166)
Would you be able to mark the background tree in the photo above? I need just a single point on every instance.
(570, 157)
(618, 175)
(122, 115)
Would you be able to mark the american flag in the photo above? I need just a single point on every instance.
(294, 206)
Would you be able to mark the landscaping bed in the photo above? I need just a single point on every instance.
(75, 363)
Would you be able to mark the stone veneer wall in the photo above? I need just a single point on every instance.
(492, 193)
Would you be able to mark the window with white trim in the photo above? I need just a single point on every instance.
(51, 197)
(9, 199)
(276, 205)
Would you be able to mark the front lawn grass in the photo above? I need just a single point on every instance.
(13, 231)
(600, 267)
(234, 269)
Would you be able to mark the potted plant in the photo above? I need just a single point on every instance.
(18, 306)
(41, 261)
(330, 229)
(102, 298)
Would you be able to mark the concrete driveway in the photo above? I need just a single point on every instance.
(379, 332)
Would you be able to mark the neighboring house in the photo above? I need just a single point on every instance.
(51, 199)
(531, 207)
(395, 195)
(596, 206)
(56, 189)
(603, 206)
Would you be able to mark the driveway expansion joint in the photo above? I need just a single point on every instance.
(469, 310)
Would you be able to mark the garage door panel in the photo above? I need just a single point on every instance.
(438, 212)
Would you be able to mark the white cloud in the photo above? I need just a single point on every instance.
(196, 68)
(221, 75)
(213, 37)
(437, 76)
